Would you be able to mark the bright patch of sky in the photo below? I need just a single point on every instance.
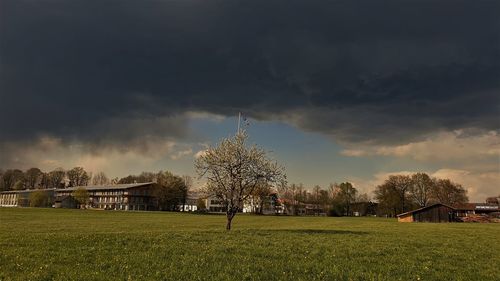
(309, 158)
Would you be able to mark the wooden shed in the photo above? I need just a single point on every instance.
(433, 213)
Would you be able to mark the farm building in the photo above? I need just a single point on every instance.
(434, 213)
(468, 209)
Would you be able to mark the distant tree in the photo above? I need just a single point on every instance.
(170, 191)
(421, 188)
(43, 182)
(147, 177)
(200, 204)
(286, 198)
(388, 199)
(129, 179)
(362, 204)
(33, 177)
(292, 197)
(363, 198)
(54, 179)
(324, 199)
(316, 197)
(19, 185)
(299, 197)
(344, 197)
(39, 198)
(233, 171)
(78, 177)
(448, 192)
(400, 186)
(114, 181)
(493, 200)
(259, 196)
(2, 186)
(100, 178)
(142, 178)
(12, 177)
(82, 196)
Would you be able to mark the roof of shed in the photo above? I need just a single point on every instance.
(424, 208)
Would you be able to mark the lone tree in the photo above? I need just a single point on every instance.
(39, 198)
(234, 170)
(82, 196)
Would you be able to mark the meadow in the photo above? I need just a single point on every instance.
(56, 244)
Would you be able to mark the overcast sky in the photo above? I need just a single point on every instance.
(336, 90)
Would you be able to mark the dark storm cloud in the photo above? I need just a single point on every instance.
(359, 70)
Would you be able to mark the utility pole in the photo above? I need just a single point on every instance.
(239, 121)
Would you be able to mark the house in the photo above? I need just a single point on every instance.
(214, 205)
(266, 205)
(433, 213)
(191, 202)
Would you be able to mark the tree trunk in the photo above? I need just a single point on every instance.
(230, 216)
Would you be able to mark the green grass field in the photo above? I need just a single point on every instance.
(55, 244)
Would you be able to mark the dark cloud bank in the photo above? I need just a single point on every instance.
(381, 71)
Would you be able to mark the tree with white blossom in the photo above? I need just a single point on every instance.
(234, 170)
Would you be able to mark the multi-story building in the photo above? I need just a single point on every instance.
(135, 196)
(21, 198)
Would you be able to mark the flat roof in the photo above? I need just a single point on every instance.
(26, 190)
(105, 187)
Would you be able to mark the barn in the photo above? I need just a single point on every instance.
(433, 213)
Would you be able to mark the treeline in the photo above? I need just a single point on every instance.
(34, 178)
(398, 194)
(337, 200)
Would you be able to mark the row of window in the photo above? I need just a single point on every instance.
(109, 199)
(120, 200)
(8, 199)
(115, 193)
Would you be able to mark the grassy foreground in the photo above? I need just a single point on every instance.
(50, 244)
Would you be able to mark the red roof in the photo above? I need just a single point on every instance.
(476, 206)
(466, 207)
